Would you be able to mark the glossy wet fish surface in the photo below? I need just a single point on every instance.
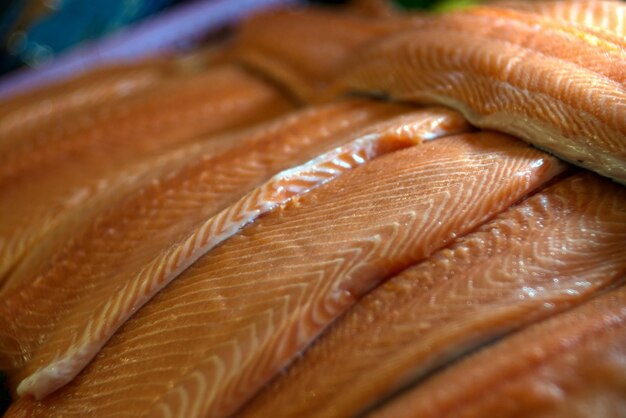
(47, 173)
(520, 267)
(348, 212)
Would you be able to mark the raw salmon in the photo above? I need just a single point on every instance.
(212, 338)
(185, 101)
(89, 295)
(416, 125)
(523, 266)
(92, 88)
(594, 14)
(304, 50)
(572, 365)
(48, 174)
(356, 114)
(374, 8)
(68, 225)
(514, 72)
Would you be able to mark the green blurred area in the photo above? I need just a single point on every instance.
(435, 5)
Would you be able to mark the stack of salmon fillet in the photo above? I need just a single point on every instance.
(340, 213)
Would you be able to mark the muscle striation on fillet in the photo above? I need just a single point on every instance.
(85, 288)
(131, 295)
(558, 86)
(574, 367)
(242, 312)
(177, 239)
(552, 251)
(608, 16)
(49, 174)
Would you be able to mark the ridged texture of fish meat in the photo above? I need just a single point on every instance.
(217, 334)
(556, 249)
(594, 14)
(129, 296)
(86, 288)
(305, 51)
(70, 224)
(514, 72)
(572, 365)
(157, 274)
(356, 114)
(48, 174)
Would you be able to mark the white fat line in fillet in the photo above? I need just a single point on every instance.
(138, 291)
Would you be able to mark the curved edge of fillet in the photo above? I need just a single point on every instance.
(280, 189)
(517, 86)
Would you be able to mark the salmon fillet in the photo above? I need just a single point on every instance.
(304, 50)
(599, 15)
(187, 99)
(155, 262)
(61, 99)
(217, 334)
(89, 295)
(69, 224)
(575, 367)
(523, 266)
(49, 174)
(514, 72)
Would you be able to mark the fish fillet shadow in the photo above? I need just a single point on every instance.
(5, 397)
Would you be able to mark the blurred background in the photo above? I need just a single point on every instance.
(34, 31)
(59, 38)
